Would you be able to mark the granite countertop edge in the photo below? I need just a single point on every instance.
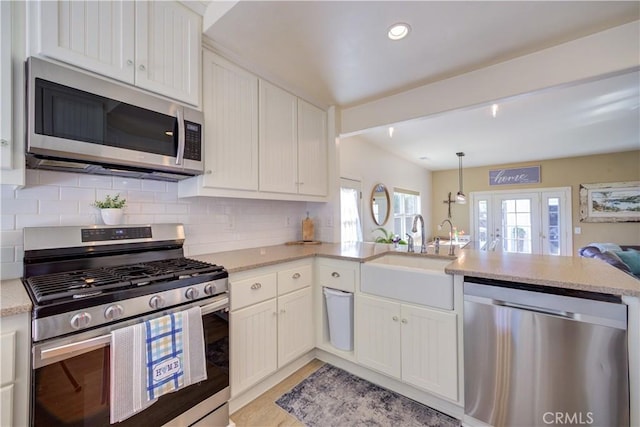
(15, 300)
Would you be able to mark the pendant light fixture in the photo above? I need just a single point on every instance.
(460, 197)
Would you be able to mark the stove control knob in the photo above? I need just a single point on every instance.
(210, 289)
(80, 320)
(156, 302)
(191, 293)
(113, 312)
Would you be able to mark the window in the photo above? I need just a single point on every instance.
(350, 208)
(406, 205)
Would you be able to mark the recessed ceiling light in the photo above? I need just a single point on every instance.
(398, 31)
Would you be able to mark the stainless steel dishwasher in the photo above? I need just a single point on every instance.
(532, 358)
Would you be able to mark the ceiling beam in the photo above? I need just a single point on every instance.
(611, 51)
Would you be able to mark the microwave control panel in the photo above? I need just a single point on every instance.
(192, 141)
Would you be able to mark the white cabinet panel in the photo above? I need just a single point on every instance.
(378, 335)
(153, 45)
(8, 352)
(167, 40)
(278, 146)
(6, 93)
(253, 332)
(429, 350)
(6, 405)
(414, 344)
(96, 36)
(312, 150)
(295, 325)
(230, 104)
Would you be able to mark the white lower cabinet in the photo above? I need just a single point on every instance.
(415, 344)
(271, 322)
(15, 370)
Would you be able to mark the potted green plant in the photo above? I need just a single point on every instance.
(111, 209)
(389, 237)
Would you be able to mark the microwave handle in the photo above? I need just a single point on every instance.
(181, 136)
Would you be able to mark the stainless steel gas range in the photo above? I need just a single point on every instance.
(86, 282)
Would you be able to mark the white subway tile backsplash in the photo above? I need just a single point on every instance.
(39, 192)
(58, 178)
(59, 207)
(41, 220)
(155, 186)
(95, 181)
(13, 206)
(81, 194)
(211, 224)
(8, 222)
(8, 254)
(120, 183)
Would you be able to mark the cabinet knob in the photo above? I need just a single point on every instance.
(256, 285)
(395, 318)
(4, 142)
(142, 67)
(405, 321)
(129, 62)
(335, 274)
(296, 276)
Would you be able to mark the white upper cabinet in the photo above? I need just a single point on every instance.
(293, 144)
(312, 150)
(230, 104)
(6, 98)
(278, 140)
(153, 45)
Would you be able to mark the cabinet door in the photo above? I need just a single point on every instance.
(6, 153)
(312, 150)
(230, 103)
(378, 335)
(278, 147)
(295, 325)
(94, 35)
(429, 350)
(167, 44)
(253, 332)
(6, 405)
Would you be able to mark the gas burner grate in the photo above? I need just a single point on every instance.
(75, 284)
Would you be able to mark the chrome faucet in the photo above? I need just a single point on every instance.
(423, 248)
(451, 247)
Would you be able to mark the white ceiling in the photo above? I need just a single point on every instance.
(337, 53)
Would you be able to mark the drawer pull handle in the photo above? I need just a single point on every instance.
(256, 285)
(296, 276)
(335, 274)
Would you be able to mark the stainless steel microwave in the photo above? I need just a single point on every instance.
(83, 123)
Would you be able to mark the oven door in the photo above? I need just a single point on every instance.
(71, 379)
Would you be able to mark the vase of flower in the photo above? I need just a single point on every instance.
(111, 209)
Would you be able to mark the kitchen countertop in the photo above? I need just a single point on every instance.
(562, 272)
(13, 298)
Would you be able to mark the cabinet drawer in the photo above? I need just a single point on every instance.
(337, 277)
(8, 349)
(253, 290)
(294, 279)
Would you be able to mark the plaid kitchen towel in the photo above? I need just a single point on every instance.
(165, 361)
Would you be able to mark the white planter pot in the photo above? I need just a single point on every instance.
(112, 216)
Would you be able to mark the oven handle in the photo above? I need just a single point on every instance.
(215, 306)
(104, 340)
(84, 346)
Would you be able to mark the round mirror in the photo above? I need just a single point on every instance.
(380, 204)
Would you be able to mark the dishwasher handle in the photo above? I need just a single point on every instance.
(543, 310)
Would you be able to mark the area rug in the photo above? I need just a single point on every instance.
(332, 397)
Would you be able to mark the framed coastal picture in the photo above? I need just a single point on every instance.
(610, 202)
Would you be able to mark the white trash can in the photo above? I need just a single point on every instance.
(340, 314)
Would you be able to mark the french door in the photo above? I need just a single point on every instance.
(534, 221)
